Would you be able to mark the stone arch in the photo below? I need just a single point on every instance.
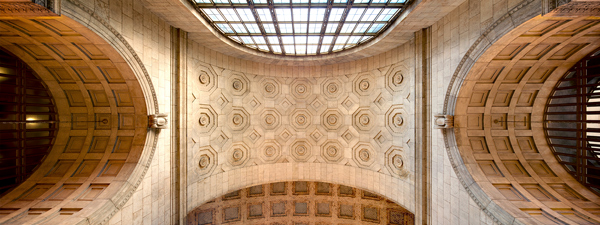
(518, 52)
(104, 95)
(232, 180)
(300, 201)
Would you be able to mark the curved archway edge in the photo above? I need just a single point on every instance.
(518, 15)
(80, 13)
(232, 180)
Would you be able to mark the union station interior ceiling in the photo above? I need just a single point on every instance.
(450, 116)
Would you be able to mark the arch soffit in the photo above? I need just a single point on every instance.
(498, 39)
(244, 177)
(92, 78)
(325, 203)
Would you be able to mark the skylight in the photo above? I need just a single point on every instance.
(300, 27)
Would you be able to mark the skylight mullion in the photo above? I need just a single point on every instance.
(225, 20)
(342, 21)
(308, 18)
(293, 27)
(276, 24)
(260, 25)
(373, 21)
(324, 25)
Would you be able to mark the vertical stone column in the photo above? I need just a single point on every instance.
(423, 124)
(179, 117)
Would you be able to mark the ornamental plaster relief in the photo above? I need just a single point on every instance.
(360, 120)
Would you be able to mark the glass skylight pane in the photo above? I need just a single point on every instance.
(317, 14)
(311, 49)
(276, 48)
(300, 28)
(287, 39)
(314, 28)
(253, 28)
(300, 23)
(269, 28)
(283, 14)
(324, 48)
(341, 40)
(313, 40)
(354, 40)
(214, 14)
(370, 14)
(264, 14)
(375, 28)
(300, 39)
(230, 15)
(245, 14)
(387, 14)
(239, 28)
(289, 49)
(331, 27)
(336, 14)
(361, 27)
(286, 28)
(225, 28)
(354, 14)
(348, 27)
(327, 40)
(273, 40)
(365, 38)
(235, 38)
(300, 49)
(263, 47)
(259, 40)
(247, 40)
(300, 14)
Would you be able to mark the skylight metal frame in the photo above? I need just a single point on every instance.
(240, 28)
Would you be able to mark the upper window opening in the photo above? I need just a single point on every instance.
(301, 27)
(572, 121)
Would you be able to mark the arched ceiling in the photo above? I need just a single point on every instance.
(300, 203)
(498, 121)
(420, 14)
(102, 123)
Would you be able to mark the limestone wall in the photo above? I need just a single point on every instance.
(451, 37)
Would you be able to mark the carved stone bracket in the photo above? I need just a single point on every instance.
(158, 121)
(443, 121)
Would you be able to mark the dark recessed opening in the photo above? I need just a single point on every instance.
(27, 121)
